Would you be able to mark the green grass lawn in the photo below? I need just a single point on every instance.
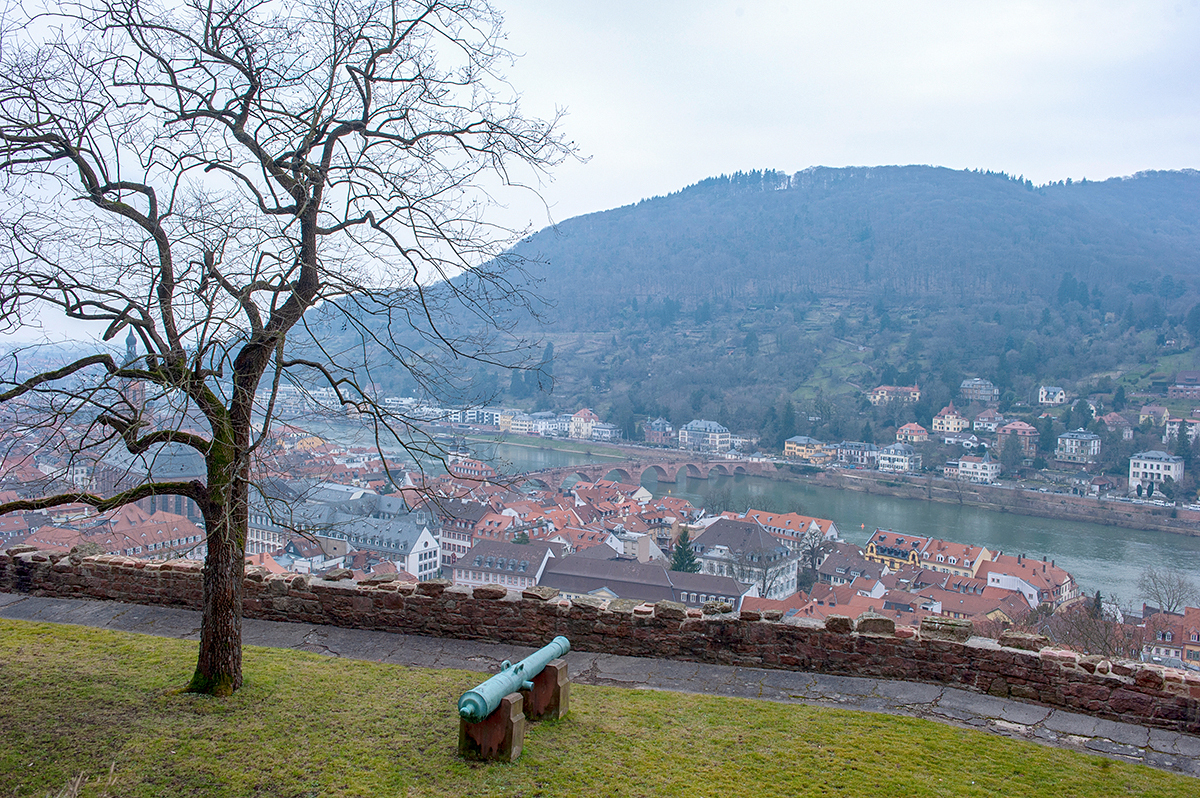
(84, 701)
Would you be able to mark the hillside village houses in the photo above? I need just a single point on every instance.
(1187, 386)
(809, 450)
(1051, 395)
(1079, 446)
(704, 436)
(1149, 470)
(608, 540)
(885, 394)
(899, 458)
(970, 468)
(1026, 436)
(949, 419)
(1177, 426)
(912, 432)
(979, 390)
(989, 420)
(602, 539)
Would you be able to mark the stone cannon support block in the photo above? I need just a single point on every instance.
(497, 738)
(551, 694)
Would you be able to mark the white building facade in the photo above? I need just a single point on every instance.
(1151, 469)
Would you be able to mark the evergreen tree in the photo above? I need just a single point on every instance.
(521, 538)
(683, 558)
(787, 422)
(751, 343)
(1192, 322)
(545, 370)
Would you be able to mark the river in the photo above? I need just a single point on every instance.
(1105, 558)
(1102, 558)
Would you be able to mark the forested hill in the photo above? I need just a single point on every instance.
(900, 232)
(770, 302)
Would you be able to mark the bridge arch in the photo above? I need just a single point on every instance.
(661, 473)
(539, 482)
(622, 474)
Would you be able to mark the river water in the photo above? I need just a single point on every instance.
(1102, 558)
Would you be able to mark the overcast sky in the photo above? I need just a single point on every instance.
(661, 94)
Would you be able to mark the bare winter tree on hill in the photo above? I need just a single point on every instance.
(1167, 589)
(260, 192)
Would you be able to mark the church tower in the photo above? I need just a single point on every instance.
(134, 391)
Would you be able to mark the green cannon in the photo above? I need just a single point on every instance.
(477, 704)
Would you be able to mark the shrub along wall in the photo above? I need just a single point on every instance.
(941, 651)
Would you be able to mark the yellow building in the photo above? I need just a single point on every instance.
(895, 550)
(806, 449)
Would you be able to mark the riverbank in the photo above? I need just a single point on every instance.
(1002, 499)
(588, 449)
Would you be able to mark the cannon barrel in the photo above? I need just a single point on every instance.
(477, 704)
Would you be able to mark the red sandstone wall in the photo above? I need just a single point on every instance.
(940, 652)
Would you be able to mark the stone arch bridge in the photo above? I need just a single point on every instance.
(631, 471)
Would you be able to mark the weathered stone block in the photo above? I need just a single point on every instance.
(1023, 641)
(1063, 657)
(338, 574)
(839, 624)
(670, 610)
(540, 593)
(934, 627)
(433, 587)
(1150, 678)
(871, 623)
(490, 592)
(623, 605)
(1123, 668)
(772, 615)
(20, 548)
(716, 607)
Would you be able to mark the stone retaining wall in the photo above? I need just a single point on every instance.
(941, 651)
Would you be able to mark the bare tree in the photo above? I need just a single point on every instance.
(1167, 589)
(1091, 629)
(773, 571)
(258, 193)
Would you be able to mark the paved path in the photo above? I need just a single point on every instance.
(1161, 749)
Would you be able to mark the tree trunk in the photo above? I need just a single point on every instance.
(219, 666)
